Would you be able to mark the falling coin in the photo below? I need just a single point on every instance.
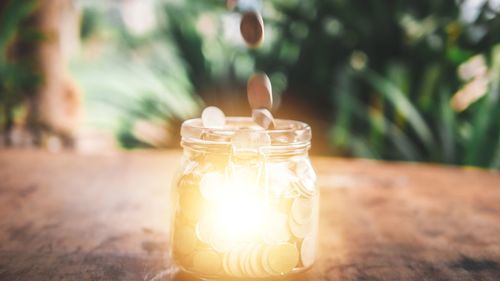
(252, 29)
(213, 117)
(259, 91)
(207, 262)
(282, 258)
(308, 250)
(264, 118)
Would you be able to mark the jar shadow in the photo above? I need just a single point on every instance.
(184, 276)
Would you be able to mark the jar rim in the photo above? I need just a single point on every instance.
(287, 133)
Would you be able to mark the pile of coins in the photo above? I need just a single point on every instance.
(244, 222)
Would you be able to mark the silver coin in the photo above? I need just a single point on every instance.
(282, 258)
(308, 250)
(300, 230)
(213, 117)
(302, 210)
(256, 261)
(277, 230)
(234, 263)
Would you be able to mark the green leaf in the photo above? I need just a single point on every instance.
(483, 120)
(15, 11)
(495, 92)
(447, 127)
(401, 103)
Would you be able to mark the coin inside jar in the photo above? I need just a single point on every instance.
(302, 210)
(185, 240)
(281, 258)
(190, 202)
(207, 261)
(210, 185)
(308, 250)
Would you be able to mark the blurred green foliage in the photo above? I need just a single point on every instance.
(129, 79)
(383, 74)
(18, 77)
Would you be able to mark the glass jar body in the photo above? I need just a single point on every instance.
(249, 215)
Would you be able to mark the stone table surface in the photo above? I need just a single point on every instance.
(105, 217)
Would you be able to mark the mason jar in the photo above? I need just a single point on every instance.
(245, 202)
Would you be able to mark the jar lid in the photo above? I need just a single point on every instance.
(286, 133)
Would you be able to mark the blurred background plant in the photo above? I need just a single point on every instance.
(398, 80)
(18, 78)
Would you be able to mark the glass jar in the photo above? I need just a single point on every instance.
(245, 201)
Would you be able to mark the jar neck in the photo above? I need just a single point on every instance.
(267, 152)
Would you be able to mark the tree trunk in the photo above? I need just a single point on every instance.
(57, 103)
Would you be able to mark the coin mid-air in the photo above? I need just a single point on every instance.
(252, 28)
